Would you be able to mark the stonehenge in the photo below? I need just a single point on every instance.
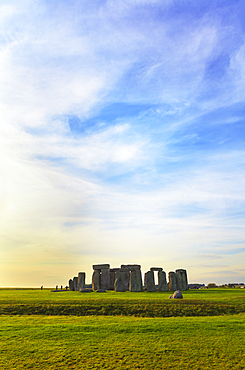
(129, 278)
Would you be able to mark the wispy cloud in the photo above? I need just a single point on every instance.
(122, 133)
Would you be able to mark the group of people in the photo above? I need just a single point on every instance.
(57, 287)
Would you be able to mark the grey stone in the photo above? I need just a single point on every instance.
(182, 282)
(111, 279)
(81, 280)
(135, 283)
(96, 280)
(101, 291)
(71, 285)
(177, 294)
(126, 278)
(101, 266)
(104, 279)
(130, 267)
(85, 290)
(115, 269)
(119, 282)
(75, 282)
(156, 268)
(150, 281)
(162, 281)
(172, 281)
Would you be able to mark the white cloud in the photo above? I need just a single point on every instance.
(57, 191)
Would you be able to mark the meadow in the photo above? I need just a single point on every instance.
(206, 302)
(193, 333)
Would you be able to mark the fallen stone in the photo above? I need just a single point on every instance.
(86, 290)
(177, 294)
(101, 291)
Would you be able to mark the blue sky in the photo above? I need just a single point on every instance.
(122, 138)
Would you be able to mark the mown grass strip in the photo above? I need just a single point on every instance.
(143, 308)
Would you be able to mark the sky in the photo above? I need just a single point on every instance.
(121, 138)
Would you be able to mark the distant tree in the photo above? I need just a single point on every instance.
(212, 285)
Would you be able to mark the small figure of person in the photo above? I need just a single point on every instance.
(56, 287)
(42, 287)
(61, 287)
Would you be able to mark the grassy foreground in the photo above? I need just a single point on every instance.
(70, 330)
(70, 342)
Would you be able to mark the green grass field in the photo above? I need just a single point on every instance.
(197, 340)
(209, 302)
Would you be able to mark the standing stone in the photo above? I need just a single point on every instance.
(81, 280)
(104, 279)
(135, 282)
(172, 281)
(182, 282)
(126, 278)
(111, 280)
(150, 281)
(162, 281)
(71, 285)
(75, 282)
(96, 280)
(119, 282)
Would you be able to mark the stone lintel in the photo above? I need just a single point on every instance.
(130, 267)
(102, 266)
(156, 268)
(115, 269)
(180, 270)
